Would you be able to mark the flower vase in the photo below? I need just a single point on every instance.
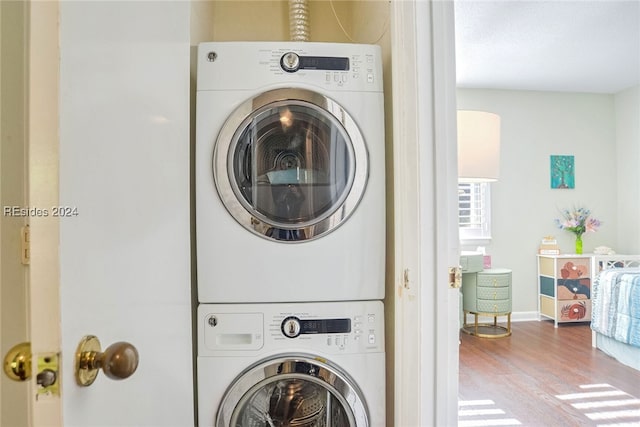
(578, 244)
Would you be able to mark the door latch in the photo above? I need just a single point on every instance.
(18, 365)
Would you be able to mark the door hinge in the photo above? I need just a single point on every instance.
(455, 277)
(405, 279)
(25, 243)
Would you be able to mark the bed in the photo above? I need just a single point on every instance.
(615, 318)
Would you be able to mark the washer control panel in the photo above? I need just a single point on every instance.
(353, 333)
(331, 328)
(292, 326)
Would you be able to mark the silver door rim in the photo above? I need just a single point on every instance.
(324, 373)
(223, 166)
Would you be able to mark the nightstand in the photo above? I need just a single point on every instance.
(487, 293)
(564, 287)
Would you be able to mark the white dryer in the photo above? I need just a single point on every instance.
(289, 165)
(308, 364)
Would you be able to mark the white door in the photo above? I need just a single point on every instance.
(426, 224)
(124, 165)
(108, 161)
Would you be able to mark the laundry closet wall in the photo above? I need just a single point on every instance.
(364, 22)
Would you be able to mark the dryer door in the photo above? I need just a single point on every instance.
(293, 391)
(290, 165)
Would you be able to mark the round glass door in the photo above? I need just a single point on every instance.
(292, 392)
(294, 402)
(291, 169)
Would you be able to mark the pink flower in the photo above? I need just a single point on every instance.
(592, 225)
(578, 221)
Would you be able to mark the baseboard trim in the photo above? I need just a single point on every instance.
(524, 316)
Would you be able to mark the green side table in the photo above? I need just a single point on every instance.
(487, 293)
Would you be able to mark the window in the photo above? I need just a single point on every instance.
(474, 210)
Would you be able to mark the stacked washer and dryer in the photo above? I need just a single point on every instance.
(290, 232)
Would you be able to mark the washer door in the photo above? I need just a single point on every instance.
(293, 392)
(290, 165)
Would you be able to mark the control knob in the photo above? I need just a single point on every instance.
(291, 327)
(290, 62)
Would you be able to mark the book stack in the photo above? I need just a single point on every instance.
(549, 246)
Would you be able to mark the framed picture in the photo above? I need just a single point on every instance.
(562, 172)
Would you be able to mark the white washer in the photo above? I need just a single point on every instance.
(290, 183)
(291, 364)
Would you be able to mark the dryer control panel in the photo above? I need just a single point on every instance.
(292, 62)
(255, 65)
(332, 71)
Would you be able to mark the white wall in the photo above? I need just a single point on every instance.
(534, 126)
(627, 109)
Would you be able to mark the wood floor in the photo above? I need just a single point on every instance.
(543, 376)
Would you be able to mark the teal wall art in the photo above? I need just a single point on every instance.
(563, 172)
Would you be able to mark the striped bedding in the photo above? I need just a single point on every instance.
(616, 305)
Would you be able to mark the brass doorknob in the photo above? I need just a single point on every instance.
(17, 362)
(118, 361)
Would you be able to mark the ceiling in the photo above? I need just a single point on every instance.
(569, 46)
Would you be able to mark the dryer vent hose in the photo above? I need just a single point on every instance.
(299, 20)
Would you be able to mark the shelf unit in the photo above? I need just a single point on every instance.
(564, 287)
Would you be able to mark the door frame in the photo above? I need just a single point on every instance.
(424, 127)
(42, 192)
(426, 227)
(38, 137)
